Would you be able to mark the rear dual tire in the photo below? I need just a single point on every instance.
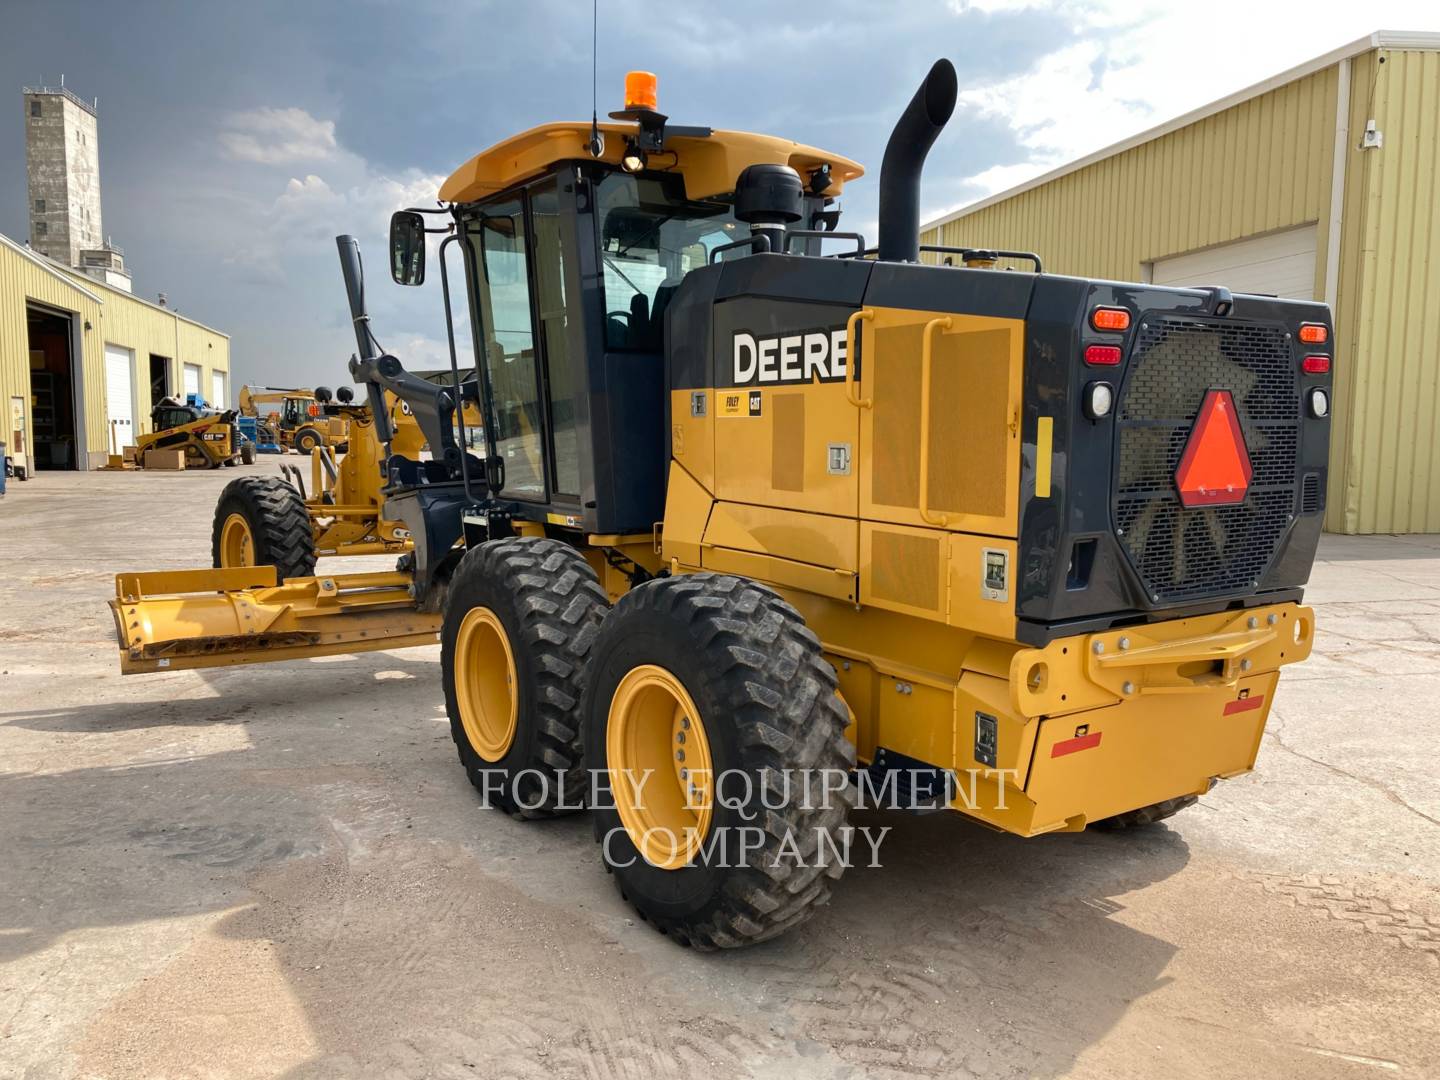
(742, 674)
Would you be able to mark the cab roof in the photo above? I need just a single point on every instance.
(709, 163)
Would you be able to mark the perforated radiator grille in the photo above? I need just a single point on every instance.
(1189, 554)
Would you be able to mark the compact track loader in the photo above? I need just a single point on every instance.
(208, 437)
(1026, 546)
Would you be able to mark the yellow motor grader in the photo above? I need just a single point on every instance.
(274, 521)
(759, 502)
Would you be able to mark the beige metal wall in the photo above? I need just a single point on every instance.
(1268, 164)
(1260, 166)
(114, 316)
(1387, 455)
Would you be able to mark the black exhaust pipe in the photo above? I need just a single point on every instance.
(915, 132)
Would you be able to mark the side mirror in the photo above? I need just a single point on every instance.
(407, 247)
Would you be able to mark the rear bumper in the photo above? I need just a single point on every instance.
(1098, 724)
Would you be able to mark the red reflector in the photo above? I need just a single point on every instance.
(1244, 704)
(1080, 742)
(1110, 318)
(1314, 334)
(1102, 355)
(1315, 365)
(1215, 468)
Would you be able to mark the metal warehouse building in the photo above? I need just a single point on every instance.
(1320, 183)
(81, 362)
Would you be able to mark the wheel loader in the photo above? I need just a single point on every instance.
(759, 501)
(304, 421)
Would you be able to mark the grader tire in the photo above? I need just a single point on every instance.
(525, 613)
(307, 439)
(1147, 815)
(271, 515)
(765, 707)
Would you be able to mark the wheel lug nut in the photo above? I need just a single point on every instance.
(685, 722)
(679, 755)
(680, 737)
(684, 774)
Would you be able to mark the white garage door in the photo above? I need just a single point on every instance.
(119, 398)
(1282, 264)
(217, 389)
(192, 379)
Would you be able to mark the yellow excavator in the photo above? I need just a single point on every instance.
(761, 505)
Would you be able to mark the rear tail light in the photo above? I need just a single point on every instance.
(1314, 333)
(1319, 404)
(1102, 355)
(1110, 318)
(1315, 365)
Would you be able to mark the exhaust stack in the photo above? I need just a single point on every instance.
(915, 132)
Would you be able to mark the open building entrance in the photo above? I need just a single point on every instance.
(159, 378)
(53, 407)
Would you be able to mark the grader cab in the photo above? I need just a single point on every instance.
(748, 509)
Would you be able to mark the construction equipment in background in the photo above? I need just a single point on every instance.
(205, 437)
(1025, 546)
(303, 420)
(259, 434)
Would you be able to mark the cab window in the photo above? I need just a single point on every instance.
(560, 367)
(497, 234)
(650, 237)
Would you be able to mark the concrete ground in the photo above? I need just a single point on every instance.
(282, 871)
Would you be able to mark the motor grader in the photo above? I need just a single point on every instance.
(276, 521)
(1030, 546)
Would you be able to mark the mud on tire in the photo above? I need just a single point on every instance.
(279, 524)
(767, 703)
(550, 604)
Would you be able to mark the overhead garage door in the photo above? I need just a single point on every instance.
(119, 397)
(217, 389)
(1282, 264)
(192, 379)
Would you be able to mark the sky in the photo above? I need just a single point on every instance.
(236, 140)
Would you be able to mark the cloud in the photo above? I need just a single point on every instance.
(278, 136)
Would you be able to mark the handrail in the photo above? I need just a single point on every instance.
(926, 354)
(851, 339)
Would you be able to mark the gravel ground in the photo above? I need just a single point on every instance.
(282, 871)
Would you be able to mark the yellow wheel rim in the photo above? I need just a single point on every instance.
(237, 543)
(660, 769)
(485, 684)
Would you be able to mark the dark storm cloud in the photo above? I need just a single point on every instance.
(220, 183)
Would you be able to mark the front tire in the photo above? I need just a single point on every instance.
(716, 673)
(262, 521)
(307, 440)
(521, 617)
